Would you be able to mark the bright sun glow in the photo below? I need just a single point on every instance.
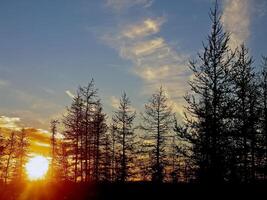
(37, 167)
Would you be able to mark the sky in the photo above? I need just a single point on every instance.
(49, 48)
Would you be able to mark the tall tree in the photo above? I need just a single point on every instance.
(208, 107)
(53, 126)
(73, 135)
(263, 118)
(89, 95)
(113, 130)
(63, 158)
(21, 153)
(246, 114)
(10, 151)
(2, 149)
(123, 118)
(157, 122)
(106, 158)
(100, 129)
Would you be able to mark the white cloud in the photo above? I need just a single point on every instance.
(154, 60)
(70, 94)
(115, 102)
(119, 5)
(236, 19)
(147, 47)
(146, 27)
(9, 122)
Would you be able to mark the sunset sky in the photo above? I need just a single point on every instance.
(49, 48)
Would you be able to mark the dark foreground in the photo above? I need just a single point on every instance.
(68, 190)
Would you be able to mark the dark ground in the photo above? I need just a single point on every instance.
(138, 191)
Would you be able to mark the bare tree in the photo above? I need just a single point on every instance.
(63, 172)
(2, 149)
(53, 126)
(10, 151)
(88, 94)
(21, 154)
(73, 135)
(113, 130)
(100, 129)
(123, 118)
(157, 122)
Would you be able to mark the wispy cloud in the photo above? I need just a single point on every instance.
(115, 102)
(39, 139)
(70, 94)
(144, 28)
(119, 5)
(10, 122)
(236, 19)
(154, 59)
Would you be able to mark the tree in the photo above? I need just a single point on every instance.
(209, 106)
(63, 172)
(114, 156)
(10, 154)
(53, 126)
(2, 149)
(263, 116)
(21, 154)
(157, 122)
(245, 116)
(106, 168)
(100, 129)
(89, 95)
(123, 119)
(73, 135)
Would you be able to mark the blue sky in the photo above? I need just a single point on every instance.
(48, 48)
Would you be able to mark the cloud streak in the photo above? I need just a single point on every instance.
(115, 102)
(39, 139)
(120, 5)
(70, 94)
(10, 122)
(146, 27)
(154, 60)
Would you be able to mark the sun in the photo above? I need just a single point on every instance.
(37, 167)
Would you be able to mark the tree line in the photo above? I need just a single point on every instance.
(13, 155)
(222, 138)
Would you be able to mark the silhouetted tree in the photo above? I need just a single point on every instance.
(123, 119)
(114, 156)
(88, 94)
(53, 126)
(2, 148)
(10, 151)
(63, 172)
(100, 129)
(263, 117)
(21, 154)
(208, 107)
(106, 158)
(73, 135)
(157, 122)
(245, 99)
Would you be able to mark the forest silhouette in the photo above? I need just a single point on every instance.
(221, 141)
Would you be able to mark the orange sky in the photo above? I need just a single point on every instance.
(39, 139)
